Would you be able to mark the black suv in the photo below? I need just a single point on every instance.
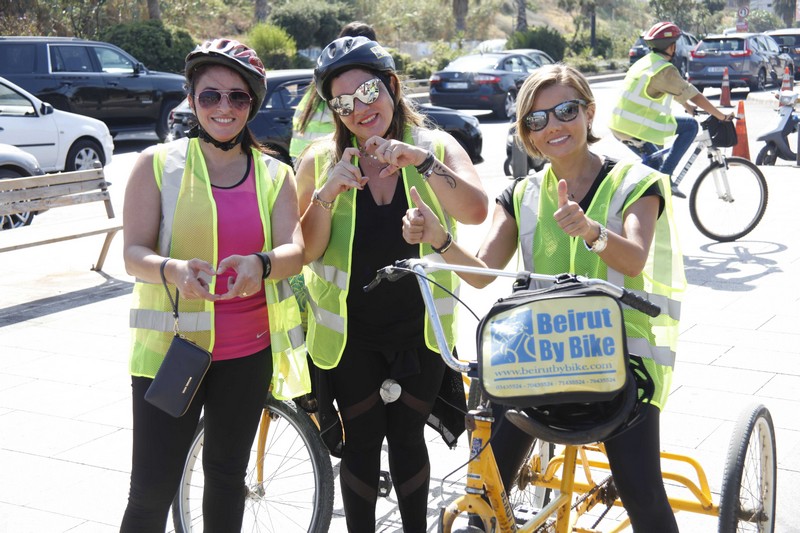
(95, 79)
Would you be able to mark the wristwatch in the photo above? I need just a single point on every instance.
(266, 262)
(315, 199)
(600, 244)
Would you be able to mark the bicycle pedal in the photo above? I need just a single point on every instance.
(384, 484)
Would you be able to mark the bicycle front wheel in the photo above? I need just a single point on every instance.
(747, 500)
(289, 480)
(728, 202)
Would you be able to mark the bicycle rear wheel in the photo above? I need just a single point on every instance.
(728, 202)
(295, 493)
(747, 500)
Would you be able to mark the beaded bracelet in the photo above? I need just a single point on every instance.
(426, 168)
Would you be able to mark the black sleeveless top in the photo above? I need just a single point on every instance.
(391, 316)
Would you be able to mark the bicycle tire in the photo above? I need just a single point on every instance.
(747, 499)
(715, 214)
(298, 475)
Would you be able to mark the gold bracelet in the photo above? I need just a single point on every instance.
(315, 199)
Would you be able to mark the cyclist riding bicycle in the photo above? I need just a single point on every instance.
(643, 119)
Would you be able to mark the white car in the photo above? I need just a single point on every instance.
(60, 141)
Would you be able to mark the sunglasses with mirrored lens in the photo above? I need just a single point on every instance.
(212, 98)
(565, 112)
(367, 93)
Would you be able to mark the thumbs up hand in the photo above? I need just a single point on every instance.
(569, 215)
(420, 223)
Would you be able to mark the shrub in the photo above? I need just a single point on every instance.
(543, 38)
(422, 69)
(152, 44)
(312, 23)
(274, 46)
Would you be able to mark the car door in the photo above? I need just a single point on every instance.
(131, 95)
(80, 88)
(273, 123)
(781, 59)
(24, 125)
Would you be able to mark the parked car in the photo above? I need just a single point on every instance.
(788, 40)
(14, 163)
(93, 78)
(686, 43)
(272, 124)
(58, 140)
(482, 81)
(753, 60)
(539, 57)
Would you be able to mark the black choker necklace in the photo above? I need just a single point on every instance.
(199, 132)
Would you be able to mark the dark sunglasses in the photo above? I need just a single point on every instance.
(236, 99)
(565, 112)
(367, 92)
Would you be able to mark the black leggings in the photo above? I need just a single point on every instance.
(232, 396)
(634, 458)
(367, 421)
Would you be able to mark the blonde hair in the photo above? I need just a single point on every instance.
(542, 78)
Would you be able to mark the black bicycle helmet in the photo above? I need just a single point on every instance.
(346, 53)
(237, 56)
(584, 423)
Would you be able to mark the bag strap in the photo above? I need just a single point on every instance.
(169, 294)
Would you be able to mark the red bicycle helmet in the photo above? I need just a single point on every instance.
(346, 53)
(237, 56)
(661, 35)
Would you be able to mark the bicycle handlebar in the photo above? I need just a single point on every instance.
(420, 267)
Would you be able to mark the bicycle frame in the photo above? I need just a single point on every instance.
(483, 477)
(701, 142)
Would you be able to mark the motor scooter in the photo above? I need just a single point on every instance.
(518, 164)
(781, 141)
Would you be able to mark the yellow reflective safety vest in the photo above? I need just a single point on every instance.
(186, 198)
(319, 124)
(636, 113)
(551, 251)
(328, 278)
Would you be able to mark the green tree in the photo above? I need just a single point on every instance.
(274, 45)
(152, 43)
(762, 20)
(312, 23)
(684, 13)
(522, 15)
(785, 9)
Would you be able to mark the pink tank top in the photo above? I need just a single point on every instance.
(241, 324)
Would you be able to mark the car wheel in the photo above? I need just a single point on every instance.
(162, 128)
(83, 155)
(760, 83)
(20, 219)
(508, 107)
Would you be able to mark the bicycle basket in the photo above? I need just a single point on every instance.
(722, 132)
(564, 344)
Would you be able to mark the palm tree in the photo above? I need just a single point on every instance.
(460, 8)
(522, 15)
(785, 10)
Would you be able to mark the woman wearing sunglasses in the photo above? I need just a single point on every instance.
(590, 215)
(215, 218)
(376, 347)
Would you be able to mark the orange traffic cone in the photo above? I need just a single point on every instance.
(725, 96)
(787, 84)
(742, 148)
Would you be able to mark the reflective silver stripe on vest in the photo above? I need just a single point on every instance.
(636, 96)
(660, 354)
(639, 119)
(171, 179)
(297, 337)
(283, 290)
(527, 222)
(329, 273)
(164, 321)
(325, 318)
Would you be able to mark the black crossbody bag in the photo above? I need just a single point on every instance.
(182, 371)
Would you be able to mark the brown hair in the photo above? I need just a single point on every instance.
(542, 78)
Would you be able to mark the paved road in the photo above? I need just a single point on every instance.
(65, 424)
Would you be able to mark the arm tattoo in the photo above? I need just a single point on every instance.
(440, 170)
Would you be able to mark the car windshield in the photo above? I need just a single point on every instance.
(473, 63)
(721, 45)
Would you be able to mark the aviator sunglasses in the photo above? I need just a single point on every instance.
(236, 99)
(565, 112)
(367, 93)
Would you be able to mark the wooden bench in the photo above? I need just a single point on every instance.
(51, 191)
